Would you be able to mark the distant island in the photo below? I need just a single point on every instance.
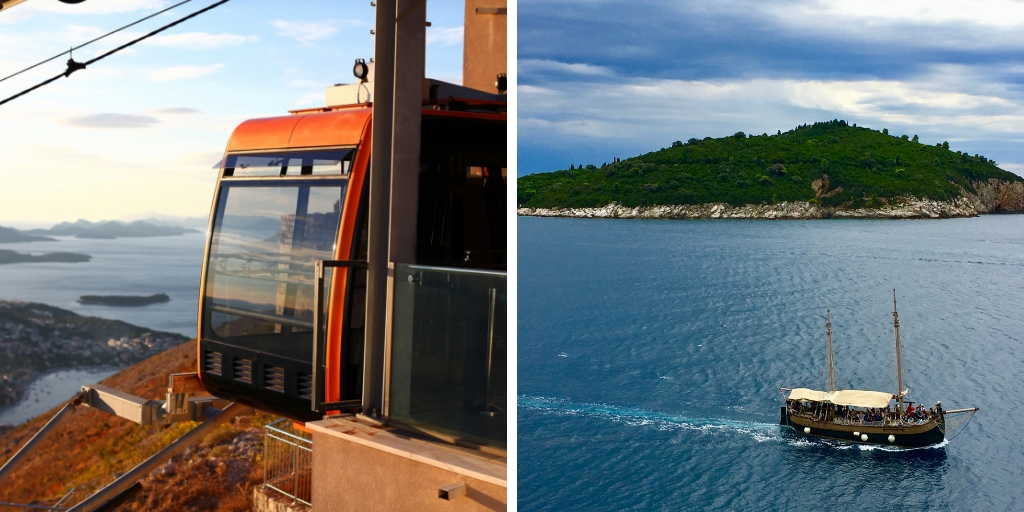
(821, 170)
(111, 229)
(123, 300)
(9, 236)
(7, 257)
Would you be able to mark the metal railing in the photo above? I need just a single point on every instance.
(288, 461)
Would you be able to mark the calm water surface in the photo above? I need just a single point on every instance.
(651, 352)
(50, 390)
(125, 266)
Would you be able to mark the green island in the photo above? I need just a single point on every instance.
(829, 165)
(123, 300)
(7, 256)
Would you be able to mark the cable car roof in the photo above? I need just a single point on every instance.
(333, 128)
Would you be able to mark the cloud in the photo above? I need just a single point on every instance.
(14, 16)
(177, 111)
(639, 115)
(315, 99)
(112, 121)
(306, 31)
(540, 66)
(445, 36)
(201, 40)
(182, 72)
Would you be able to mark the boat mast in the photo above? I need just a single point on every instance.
(831, 365)
(899, 364)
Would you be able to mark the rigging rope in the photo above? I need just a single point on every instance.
(94, 40)
(958, 423)
(75, 66)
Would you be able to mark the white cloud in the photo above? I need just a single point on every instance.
(14, 16)
(182, 72)
(652, 109)
(542, 66)
(112, 121)
(306, 31)
(445, 36)
(316, 99)
(177, 111)
(914, 23)
(201, 40)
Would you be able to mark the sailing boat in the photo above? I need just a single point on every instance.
(868, 417)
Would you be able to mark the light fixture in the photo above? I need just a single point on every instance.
(361, 70)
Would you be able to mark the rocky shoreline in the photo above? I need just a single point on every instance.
(993, 196)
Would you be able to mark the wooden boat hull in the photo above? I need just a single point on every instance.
(910, 436)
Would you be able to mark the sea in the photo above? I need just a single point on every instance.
(124, 266)
(651, 353)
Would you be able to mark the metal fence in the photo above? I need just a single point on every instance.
(288, 460)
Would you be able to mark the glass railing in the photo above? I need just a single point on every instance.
(449, 353)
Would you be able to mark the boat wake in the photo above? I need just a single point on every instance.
(760, 432)
(634, 417)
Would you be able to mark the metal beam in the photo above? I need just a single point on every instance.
(130, 478)
(150, 412)
(18, 458)
(380, 204)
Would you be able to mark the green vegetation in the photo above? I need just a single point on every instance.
(59, 257)
(832, 163)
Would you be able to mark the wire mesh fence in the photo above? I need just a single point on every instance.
(288, 460)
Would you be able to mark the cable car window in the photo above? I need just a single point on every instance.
(260, 282)
(326, 162)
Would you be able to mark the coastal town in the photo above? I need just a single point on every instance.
(36, 338)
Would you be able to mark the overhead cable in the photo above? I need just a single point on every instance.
(75, 66)
(94, 40)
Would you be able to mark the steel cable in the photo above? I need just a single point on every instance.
(75, 66)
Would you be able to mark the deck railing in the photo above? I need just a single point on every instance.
(288, 460)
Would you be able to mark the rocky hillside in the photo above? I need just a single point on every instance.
(93, 447)
(828, 169)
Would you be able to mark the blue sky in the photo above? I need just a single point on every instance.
(138, 132)
(601, 79)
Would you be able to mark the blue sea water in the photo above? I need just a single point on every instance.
(651, 353)
(124, 266)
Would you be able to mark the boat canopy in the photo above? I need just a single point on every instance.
(848, 397)
(808, 394)
(858, 398)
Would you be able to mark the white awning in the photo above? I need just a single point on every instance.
(858, 398)
(808, 394)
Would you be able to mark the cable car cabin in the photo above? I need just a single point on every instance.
(292, 191)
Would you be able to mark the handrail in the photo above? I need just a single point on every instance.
(269, 317)
(316, 399)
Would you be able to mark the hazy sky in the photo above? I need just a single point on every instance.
(606, 78)
(138, 132)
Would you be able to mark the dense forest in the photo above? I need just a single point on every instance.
(832, 163)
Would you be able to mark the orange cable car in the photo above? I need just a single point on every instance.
(292, 192)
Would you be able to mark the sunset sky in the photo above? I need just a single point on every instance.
(138, 133)
(600, 79)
